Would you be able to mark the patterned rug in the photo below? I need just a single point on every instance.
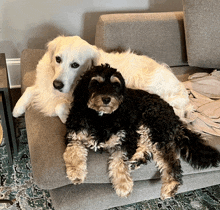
(17, 185)
(17, 179)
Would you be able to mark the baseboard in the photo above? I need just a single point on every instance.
(14, 72)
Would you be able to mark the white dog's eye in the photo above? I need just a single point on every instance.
(58, 59)
(74, 65)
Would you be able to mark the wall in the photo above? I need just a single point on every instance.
(31, 23)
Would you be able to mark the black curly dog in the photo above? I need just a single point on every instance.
(133, 126)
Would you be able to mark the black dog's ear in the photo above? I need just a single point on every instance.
(81, 93)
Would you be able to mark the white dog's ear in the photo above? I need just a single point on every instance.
(95, 56)
(51, 46)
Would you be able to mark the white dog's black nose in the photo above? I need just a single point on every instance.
(58, 84)
(106, 100)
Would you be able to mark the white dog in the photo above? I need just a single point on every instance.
(68, 57)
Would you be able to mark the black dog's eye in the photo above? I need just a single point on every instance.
(116, 84)
(74, 65)
(58, 59)
(94, 83)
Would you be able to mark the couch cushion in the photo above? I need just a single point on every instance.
(102, 196)
(157, 35)
(202, 31)
(46, 137)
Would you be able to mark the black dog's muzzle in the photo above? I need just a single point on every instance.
(106, 100)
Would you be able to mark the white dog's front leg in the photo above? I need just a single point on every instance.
(62, 110)
(24, 101)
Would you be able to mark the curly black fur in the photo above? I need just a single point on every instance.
(138, 108)
(167, 136)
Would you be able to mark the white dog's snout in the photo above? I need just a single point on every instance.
(58, 84)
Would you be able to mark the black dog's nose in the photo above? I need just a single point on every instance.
(58, 84)
(106, 100)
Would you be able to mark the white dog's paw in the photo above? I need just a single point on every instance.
(62, 111)
(18, 111)
(63, 118)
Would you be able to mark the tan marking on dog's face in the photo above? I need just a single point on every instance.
(115, 79)
(96, 103)
(98, 79)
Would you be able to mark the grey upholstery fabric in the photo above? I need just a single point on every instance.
(46, 145)
(157, 35)
(202, 29)
(29, 61)
(102, 196)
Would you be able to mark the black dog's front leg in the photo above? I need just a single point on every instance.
(119, 173)
(75, 157)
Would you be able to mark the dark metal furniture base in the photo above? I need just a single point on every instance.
(6, 110)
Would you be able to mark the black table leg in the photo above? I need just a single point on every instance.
(5, 130)
(7, 105)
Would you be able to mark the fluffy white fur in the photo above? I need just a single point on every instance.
(140, 72)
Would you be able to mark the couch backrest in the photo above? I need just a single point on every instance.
(158, 35)
(202, 26)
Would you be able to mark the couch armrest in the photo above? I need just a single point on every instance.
(29, 61)
(46, 137)
(45, 134)
(158, 35)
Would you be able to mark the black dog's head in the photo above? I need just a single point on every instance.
(101, 88)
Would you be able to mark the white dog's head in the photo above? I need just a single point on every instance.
(70, 57)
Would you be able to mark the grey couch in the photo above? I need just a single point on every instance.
(162, 36)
